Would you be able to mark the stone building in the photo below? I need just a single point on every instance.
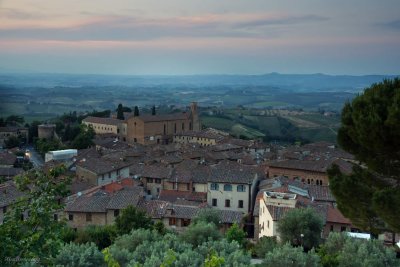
(160, 129)
(46, 131)
(7, 132)
(107, 126)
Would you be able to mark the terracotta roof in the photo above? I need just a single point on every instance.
(312, 165)
(321, 193)
(232, 172)
(106, 121)
(181, 211)
(225, 147)
(96, 202)
(9, 193)
(173, 196)
(125, 197)
(111, 143)
(101, 166)
(277, 212)
(153, 171)
(154, 208)
(163, 117)
(12, 129)
(10, 172)
(230, 216)
(7, 158)
(335, 216)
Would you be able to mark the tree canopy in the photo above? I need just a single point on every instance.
(371, 132)
(132, 218)
(301, 227)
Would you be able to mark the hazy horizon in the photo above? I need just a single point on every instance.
(178, 37)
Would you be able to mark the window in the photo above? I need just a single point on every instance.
(227, 187)
(190, 126)
(240, 204)
(227, 203)
(187, 187)
(70, 217)
(116, 213)
(268, 224)
(343, 229)
(183, 126)
(149, 192)
(88, 217)
(331, 228)
(150, 180)
(175, 128)
(55, 217)
(320, 182)
(172, 221)
(214, 186)
(165, 129)
(185, 222)
(214, 202)
(241, 188)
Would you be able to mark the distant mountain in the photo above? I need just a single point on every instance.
(295, 82)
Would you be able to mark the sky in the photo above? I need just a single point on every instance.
(181, 37)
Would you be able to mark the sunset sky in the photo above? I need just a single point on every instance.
(200, 36)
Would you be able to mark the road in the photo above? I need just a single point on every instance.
(35, 158)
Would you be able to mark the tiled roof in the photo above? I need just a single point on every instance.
(106, 121)
(152, 171)
(181, 211)
(101, 166)
(12, 129)
(163, 117)
(225, 147)
(230, 216)
(173, 196)
(321, 193)
(96, 202)
(111, 143)
(9, 193)
(154, 208)
(232, 172)
(335, 216)
(7, 158)
(125, 197)
(277, 212)
(10, 172)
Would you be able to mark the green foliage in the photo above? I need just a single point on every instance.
(153, 110)
(43, 146)
(12, 141)
(200, 232)
(136, 111)
(361, 211)
(108, 258)
(79, 255)
(102, 236)
(264, 245)
(298, 222)
(371, 132)
(71, 132)
(14, 120)
(235, 233)
(288, 256)
(33, 131)
(120, 112)
(213, 260)
(38, 235)
(85, 138)
(341, 250)
(132, 218)
(208, 215)
(68, 234)
(160, 227)
(101, 114)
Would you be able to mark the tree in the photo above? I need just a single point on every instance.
(120, 112)
(234, 233)
(79, 255)
(136, 111)
(371, 132)
(33, 131)
(38, 235)
(340, 250)
(14, 120)
(85, 138)
(288, 256)
(200, 232)
(102, 236)
(301, 227)
(264, 245)
(153, 110)
(208, 215)
(132, 218)
(12, 141)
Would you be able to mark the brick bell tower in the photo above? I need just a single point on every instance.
(194, 117)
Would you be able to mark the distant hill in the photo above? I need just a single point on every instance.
(292, 82)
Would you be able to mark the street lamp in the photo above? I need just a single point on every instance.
(301, 239)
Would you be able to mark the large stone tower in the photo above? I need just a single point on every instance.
(195, 117)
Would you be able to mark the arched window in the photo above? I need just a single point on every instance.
(165, 129)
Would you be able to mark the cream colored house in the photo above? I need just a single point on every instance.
(273, 206)
(107, 126)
